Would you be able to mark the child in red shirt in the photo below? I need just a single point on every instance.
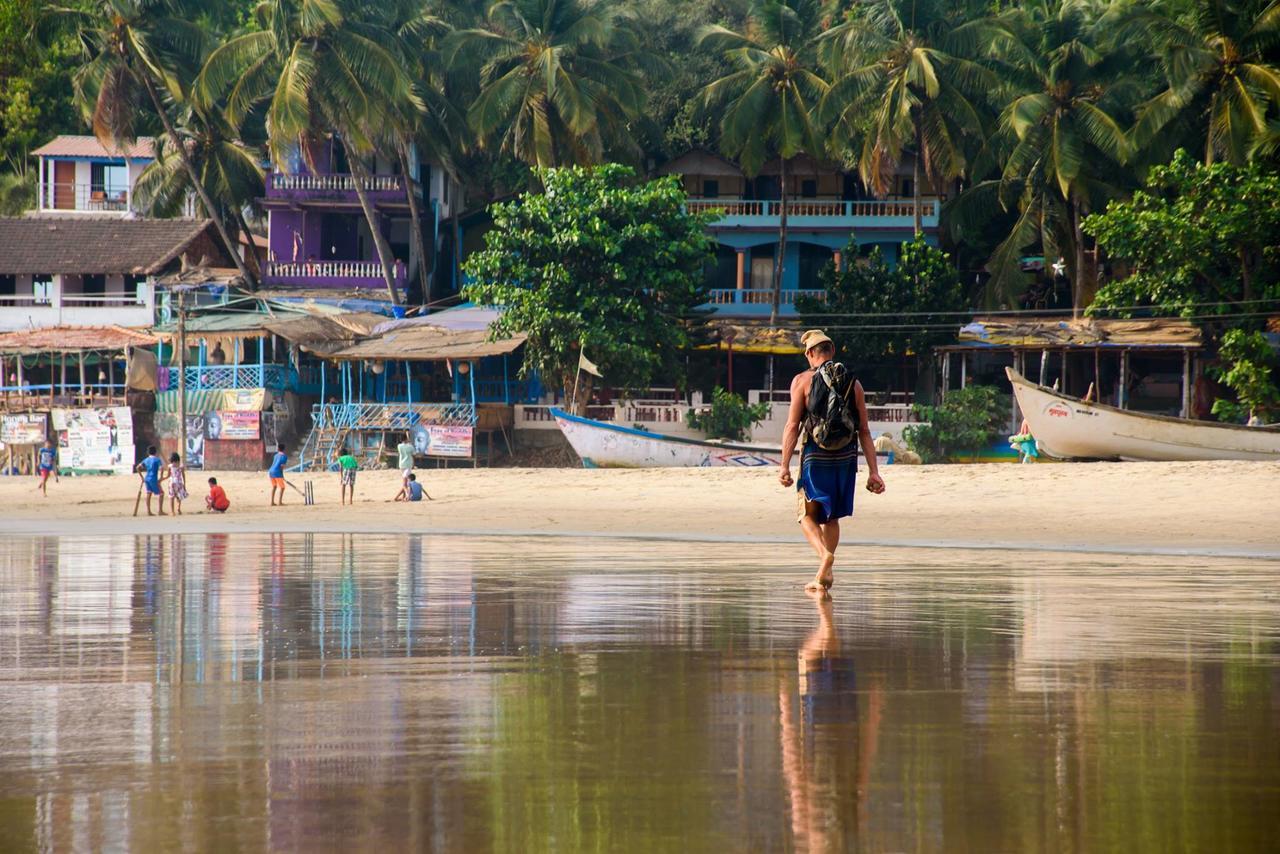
(217, 500)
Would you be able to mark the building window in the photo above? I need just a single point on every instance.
(711, 189)
(93, 284)
(809, 188)
(136, 285)
(908, 187)
(42, 289)
(8, 286)
(109, 181)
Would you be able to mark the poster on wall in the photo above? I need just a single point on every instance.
(230, 425)
(435, 440)
(95, 440)
(195, 442)
(27, 428)
(245, 399)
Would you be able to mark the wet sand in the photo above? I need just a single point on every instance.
(1202, 508)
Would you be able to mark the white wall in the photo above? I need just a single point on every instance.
(123, 311)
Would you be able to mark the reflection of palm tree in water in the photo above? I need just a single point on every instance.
(827, 753)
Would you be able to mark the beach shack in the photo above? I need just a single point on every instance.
(409, 376)
(68, 382)
(1147, 364)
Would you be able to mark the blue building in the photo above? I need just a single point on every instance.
(825, 207)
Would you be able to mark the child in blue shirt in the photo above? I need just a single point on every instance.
(149, 470)
(276, 473)
(48, 466)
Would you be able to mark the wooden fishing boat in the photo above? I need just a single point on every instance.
(604, 445)
(1070, 428)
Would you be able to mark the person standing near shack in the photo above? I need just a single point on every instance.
(48, 465)
(404, 454)
(828, 420)
(149, 470)
(348, 465)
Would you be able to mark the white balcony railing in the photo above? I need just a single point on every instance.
(761, 296)
(871, 209)
(333, 183)
(83, 197)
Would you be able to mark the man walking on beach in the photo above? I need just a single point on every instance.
(828, 418)
(276, 473)
(149, 470)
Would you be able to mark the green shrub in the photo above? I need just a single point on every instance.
(728, 417)
(967, 422)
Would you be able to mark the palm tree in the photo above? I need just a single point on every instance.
(227, 168)
(139, 52)
(768, 99)
(432, 130)
(325, 69)
(1220, 72)
(900, 80)
(1059, 142)
(558, 79)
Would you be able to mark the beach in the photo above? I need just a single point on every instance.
(1204, 508)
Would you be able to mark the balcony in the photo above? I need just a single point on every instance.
(333, 189)
(744, 302)
(51, 307)
(338, 275)
(82, 198)
(819, 213)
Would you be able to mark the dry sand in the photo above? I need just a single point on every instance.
(1206, 508)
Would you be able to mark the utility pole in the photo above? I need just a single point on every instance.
(182, 374)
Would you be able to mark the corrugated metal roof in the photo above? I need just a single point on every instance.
(143, 148)
(72, 339)
(95, 245)
(427, 344)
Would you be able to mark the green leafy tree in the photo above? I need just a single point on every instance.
(139, 59)
(559, 79)
(326, 67)
(874, 309)
(595, 262)
(728, 416)
(1221, 74)
(1249, 369)
(964, 424)
(1060, 144)
(900, 79)
(768, 99)
(1201, 243)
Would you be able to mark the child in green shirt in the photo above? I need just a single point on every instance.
(348, 466)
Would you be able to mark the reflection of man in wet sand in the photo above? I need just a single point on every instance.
(827, 762)
(825, 490)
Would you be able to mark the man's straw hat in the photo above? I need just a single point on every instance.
(813, 338)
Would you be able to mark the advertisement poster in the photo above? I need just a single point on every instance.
(435, 440)
(244, 399)
(230, 425)
(195, 442)
(23, 429)
(95, 440)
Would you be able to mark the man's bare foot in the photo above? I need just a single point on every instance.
(825, 577)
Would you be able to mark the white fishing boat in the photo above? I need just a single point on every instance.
(1070, 428)
(604, 445)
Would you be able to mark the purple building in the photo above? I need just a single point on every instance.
(320, 238)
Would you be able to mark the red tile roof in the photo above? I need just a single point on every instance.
(143, 148)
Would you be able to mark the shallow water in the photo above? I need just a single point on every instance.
(299, 692)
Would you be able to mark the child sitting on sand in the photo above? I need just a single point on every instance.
(217, 500)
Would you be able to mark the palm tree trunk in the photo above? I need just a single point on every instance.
(210, 210)
(248, 235)
(1077, 275)
(361, 176)
(415, 227)
(915, 180)
(776, 297)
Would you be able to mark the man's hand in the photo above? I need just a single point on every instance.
(784, 476)
(875, 483)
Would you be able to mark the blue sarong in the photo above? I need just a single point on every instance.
(827, 479)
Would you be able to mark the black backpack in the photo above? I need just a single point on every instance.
(833, 414)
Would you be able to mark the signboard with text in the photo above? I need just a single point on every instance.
(231, 425)
(434, 440)
(26, 428)
(95, 440)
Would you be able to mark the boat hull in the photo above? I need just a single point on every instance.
(602, 445)
(1069, 428)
